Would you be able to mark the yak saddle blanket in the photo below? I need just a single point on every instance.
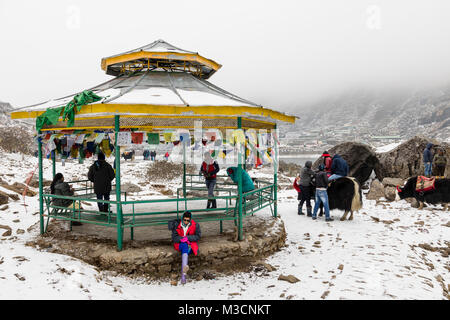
(425, 184)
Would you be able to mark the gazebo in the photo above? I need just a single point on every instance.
(157, 89)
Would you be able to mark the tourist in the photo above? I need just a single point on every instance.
(60, 188)
(166, 156)
(209, 169)
(327, 161)
(321, 193)
(339, 168)
(247, 183)
(101, 174)
(185, 235)
(440, 162)
(153, 155)
(428, 160)
(306, 176)
(299, 192)
(146, 154)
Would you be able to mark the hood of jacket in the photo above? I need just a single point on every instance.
(429, 145)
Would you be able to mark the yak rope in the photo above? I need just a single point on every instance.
(27, 184)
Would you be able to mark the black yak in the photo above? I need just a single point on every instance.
(439, 195)
(129, 155)
(344, 194)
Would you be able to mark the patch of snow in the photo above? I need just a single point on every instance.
(375, 256)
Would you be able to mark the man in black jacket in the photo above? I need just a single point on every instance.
(321, 194)
(306, 176)
(101, 174)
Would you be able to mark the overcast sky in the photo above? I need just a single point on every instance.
(282, 54)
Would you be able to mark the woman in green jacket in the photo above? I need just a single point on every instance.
(247, 183)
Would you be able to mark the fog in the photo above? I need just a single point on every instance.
(282, 54)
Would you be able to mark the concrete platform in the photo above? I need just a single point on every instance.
(152, 255)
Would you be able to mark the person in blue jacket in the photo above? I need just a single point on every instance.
(428, 159)
(339, 168)
(247, 183)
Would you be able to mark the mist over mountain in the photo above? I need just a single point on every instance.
(405, 113)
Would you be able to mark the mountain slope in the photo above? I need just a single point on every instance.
(404, 113)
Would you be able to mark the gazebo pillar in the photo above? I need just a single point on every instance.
(275, 175)
(240, 168)
(41, 189)
(53, 163)
(118, 193)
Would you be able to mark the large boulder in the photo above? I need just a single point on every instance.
(360, 158)
(390, 193)
(392, 182)
(406, 159)
(34, 183)
(376, 190)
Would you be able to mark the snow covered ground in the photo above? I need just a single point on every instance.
(375, 256)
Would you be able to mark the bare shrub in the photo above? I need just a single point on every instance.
(16, 139)
(165, 170)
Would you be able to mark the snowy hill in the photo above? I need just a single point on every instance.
(404, 113)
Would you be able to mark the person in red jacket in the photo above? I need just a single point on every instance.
(327, 161)
(185, 235)
(299, 197)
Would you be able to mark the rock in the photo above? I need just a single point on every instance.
(390, 193)
(18, 276)
(361, 159)
(34, 183)
(20, 231)
(376, 190)
(406, 160)
(4, 207)
(290, 278)
(166, 268)
(325, 294)
(8, 231)
(174, 282)
(269, 267)
(130, 187)
(18, 187)
(341, 267)
(392, 182)
(167, 192)
(4, 199)
(14, 196)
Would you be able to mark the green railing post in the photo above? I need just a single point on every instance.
(240, 168)
(41, 189)
(184, 175)
(54, 163)
(275, 175)
(118, 193)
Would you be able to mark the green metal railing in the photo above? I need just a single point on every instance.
(132, 216)
(245, 204)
